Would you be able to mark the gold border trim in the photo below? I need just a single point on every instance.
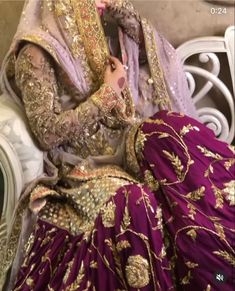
(161, 95)
(41, 42)
(84, 173)
(131, 157)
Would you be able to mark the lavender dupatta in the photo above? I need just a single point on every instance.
(39, 24)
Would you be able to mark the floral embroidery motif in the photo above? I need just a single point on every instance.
(123, 244)
(105, 98)
(192, 233)
(196, 195)
(226, 256)
(187, 129)
(176, 162)
(137, 271)
(209, 154)
(228, 164)
(151, 181)
(186, 279)
(108, 214)
(191, 265)
(76, 284)
(219, 196)
(230, 191)
(220, 230)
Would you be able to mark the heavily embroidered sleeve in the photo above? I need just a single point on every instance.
(36, 79)
(127, 17)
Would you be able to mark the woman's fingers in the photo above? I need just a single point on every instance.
(116, 62)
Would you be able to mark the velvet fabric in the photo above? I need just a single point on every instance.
(181, 221)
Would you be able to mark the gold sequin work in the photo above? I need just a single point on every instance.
(137, 271)
(161, 95)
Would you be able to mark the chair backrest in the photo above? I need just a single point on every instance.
(12, 174)
(208, 48)
(20, 159)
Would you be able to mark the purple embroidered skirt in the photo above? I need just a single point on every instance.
(174, 230)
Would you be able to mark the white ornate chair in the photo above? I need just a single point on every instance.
(21, 161)
(208, 48)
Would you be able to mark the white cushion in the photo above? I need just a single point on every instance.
(14, 127)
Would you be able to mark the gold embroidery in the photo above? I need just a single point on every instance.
(220, 230)
(108, 214)
(90, 197)
(8, 249)
(137, 271)
(186, 279)
(192, 210)
(94, 265)
(63, 8)
(30, 282)
(105, 98)
(186, 129)
(139, 144)
(126, 217)
(219, 197)
(176, 162)
(209, 154)
(191, 265)
(123, 10)
(68, 270)
(232, 148)
(230, 191)
(92, 35)
(131, 158)
(25, 279)
(197, 194)
(41, 191)
(118, 265)
(36, 39)
(201, 228)
(208, 171)
(163, 135)
(10, 67)
(84, 172)
(76, 284)
(161, 96)
(151, 181)
(88, 285)
(63, 216)
(228, 164)
(192, 233)
(42, 105)
(123, 244)
(29, 244)
(226, 256)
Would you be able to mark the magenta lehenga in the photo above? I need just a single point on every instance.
(174, 231)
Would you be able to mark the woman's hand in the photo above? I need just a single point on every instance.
(115, 75)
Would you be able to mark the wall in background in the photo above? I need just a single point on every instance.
(178, 20)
